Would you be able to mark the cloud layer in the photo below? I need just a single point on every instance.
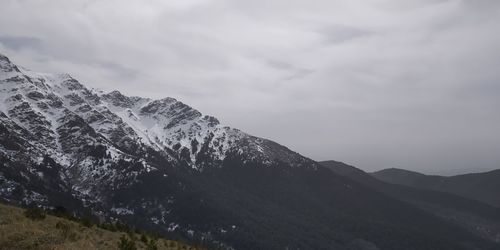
(376, 83)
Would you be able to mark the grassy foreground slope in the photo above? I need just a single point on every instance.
(19, 232)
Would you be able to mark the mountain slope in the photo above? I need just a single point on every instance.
(19, 232)
(483, 187)
(477, 217)
(162, 166)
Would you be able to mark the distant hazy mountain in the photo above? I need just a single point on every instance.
(477, 217)
(483, 187)
(162, 166)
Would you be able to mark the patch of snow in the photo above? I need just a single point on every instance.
(172, 227)
(122, 210)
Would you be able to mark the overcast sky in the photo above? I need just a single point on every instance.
(412, 84)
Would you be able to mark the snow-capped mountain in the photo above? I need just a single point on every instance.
(163, 166)
(64, 120)
(50, 105)
(89, 142)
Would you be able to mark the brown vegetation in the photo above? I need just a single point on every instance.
(18, 230)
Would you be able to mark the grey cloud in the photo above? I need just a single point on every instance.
(294, 72)
(21, 42)
(280, 65)
(339, 34)
(119, 70)
(299, 74)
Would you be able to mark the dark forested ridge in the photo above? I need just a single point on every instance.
(483, 187)
(480, 218)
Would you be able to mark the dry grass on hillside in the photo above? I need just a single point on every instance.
(19, 232)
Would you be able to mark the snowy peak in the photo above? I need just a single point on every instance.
(58, 108)
(6, 65)
(117, 99)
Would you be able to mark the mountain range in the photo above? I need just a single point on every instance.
(478, 186)
(477, 217)
(162, 166)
